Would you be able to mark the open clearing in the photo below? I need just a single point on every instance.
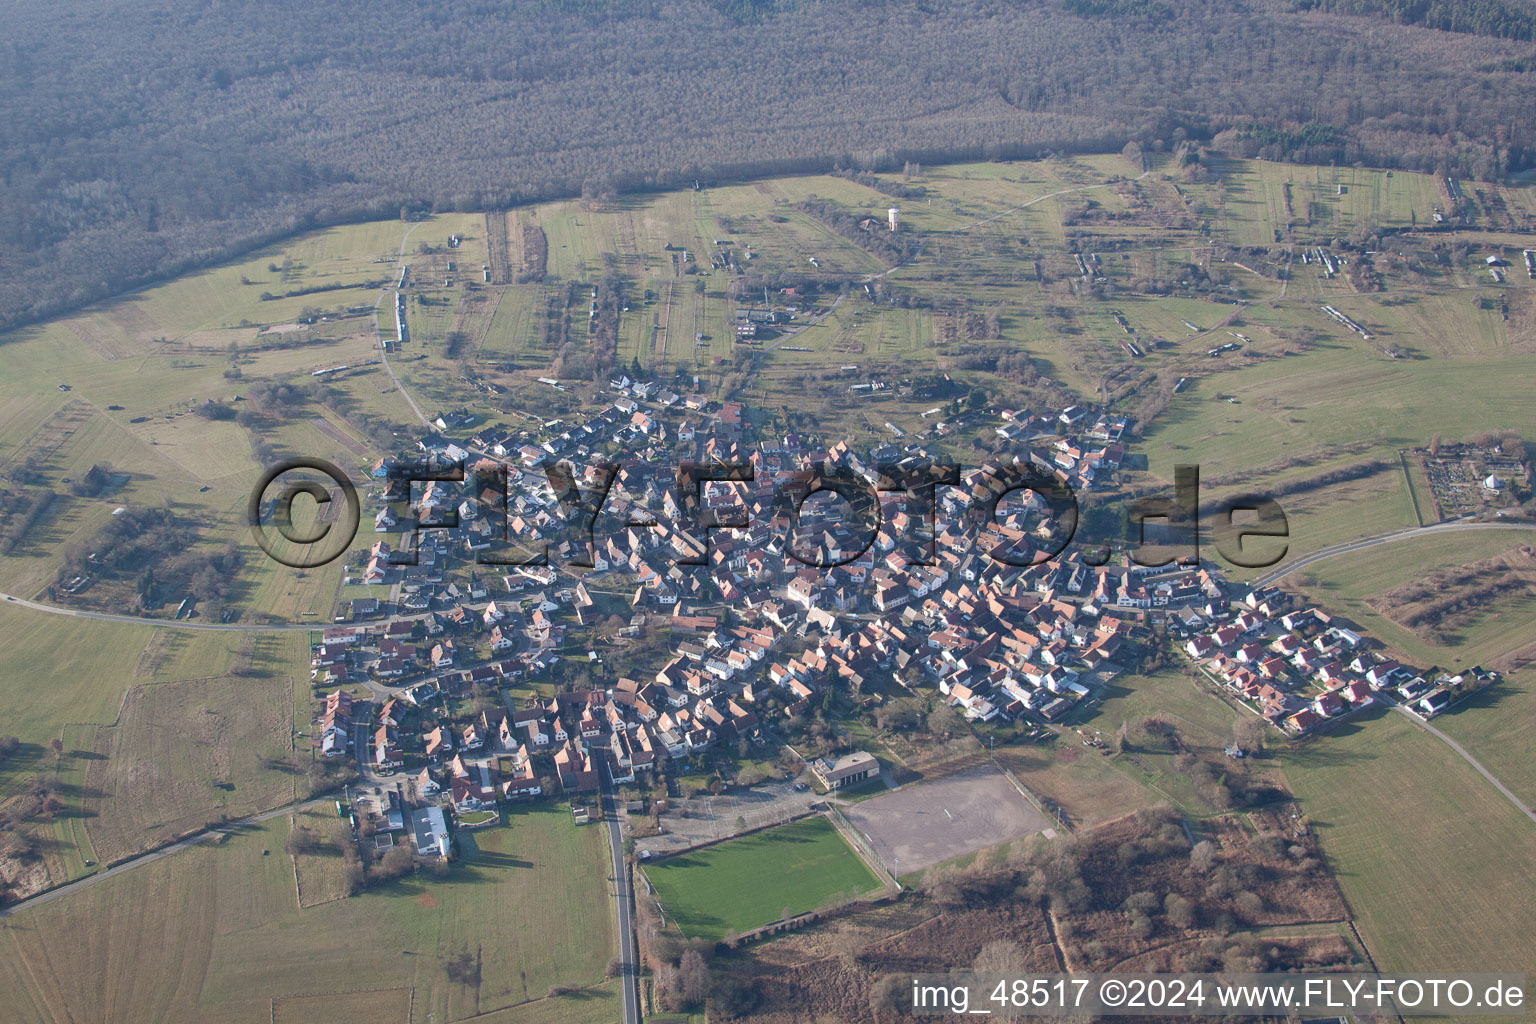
(1501, 634)
(183, 754)
(1407, 825)
(745, 883)
(385, 1006)
(1435, 865)
(320, 872)
(532, 908)
(935, 821)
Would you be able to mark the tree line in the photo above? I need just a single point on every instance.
(203, 131)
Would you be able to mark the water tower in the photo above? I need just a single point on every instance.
(893, 215)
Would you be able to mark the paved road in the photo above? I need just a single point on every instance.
(1411, 533)
(629, 972)
(1285, 569)
(1272, 576)
(1484, 772)
(164, 851)
(365, 778)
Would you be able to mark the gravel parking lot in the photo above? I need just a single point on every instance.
(703, 818)
(934, 821)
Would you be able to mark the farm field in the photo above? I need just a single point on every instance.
(1345, 582)
(120, 778)
(1500, 634)
(1434, 864)
(1083, 783)
(1332, 396)
(1025, 286)
(234, 940)
(320, 872)
(1494, 727)
(160, 352)
(747, 882)
(181, 755)
(106, 659)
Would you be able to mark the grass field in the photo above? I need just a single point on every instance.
(1344, 583)
(157, 353)
(745, 883)
(533, 907)
(1491, 726)
(1433, 861)
(1435, 865)
(1202, 720)
(997, 238)
(320, 872)
(158, 772)
(181, 755)
(43, 689)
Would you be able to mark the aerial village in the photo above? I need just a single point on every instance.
(762, 620)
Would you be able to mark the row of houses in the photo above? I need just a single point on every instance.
(1303, 672)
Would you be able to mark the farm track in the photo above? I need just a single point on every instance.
(1467, 757)
(501, 274)
(383, 355)
(1387, 538)
(496, 245)
(242, 627)
(1408, 533)
(149, 857)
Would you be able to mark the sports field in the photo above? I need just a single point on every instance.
(745, 883)
(940, 819)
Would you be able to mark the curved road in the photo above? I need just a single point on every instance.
(628, 958)
(1484, 772)
(1410, 533)
(1273, 576)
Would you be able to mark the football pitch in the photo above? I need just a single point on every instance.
(745, 883)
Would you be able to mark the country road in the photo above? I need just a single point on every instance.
(629, 966)
(1273, 576)
(379, 337)
(1410, 533)
(227, 627)
(164, 851)
(1476, 765)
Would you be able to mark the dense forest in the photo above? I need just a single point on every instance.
(1481, 17)
(145, 136)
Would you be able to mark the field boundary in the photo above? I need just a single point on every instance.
(1413, 497)
(888, 887)
(852, 837)
(1024, 791)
